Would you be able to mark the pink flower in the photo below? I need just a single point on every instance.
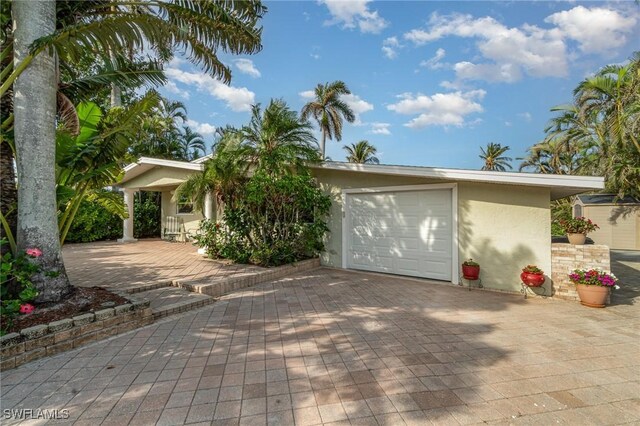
(27, 308)
(34, 252)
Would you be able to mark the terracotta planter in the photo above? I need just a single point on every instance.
(532, 280)
(594, 296)
(577, 239)
(470, 272)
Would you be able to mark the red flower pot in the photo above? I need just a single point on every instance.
(470, 272)
(532, 280)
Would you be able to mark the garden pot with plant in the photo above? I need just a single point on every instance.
(532, 276)
(470, 269)
(577, 229)
(593, 286)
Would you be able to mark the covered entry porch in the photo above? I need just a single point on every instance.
(163, 176)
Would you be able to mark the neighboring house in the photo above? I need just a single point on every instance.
(618, 219)
(415, 221)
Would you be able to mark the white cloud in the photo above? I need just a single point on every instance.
(390, 47)
(380, 128)
(246, 66)
(315, 56)
(507, 73)
(440, 109)
(354, 14)
(434, 63)
(236, 98)
(205, 129)
(509, 53)
(526, 116)
(358, 106)
(597, 30)
(307, 94)
(173, 88)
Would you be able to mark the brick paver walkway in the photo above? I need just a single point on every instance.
(111, 264)
(337, 347)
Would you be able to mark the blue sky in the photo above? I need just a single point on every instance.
(431, 82)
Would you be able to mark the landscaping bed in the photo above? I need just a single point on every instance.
(80, 301)
(89, 315)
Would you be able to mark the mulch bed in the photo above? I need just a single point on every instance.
(80, 301)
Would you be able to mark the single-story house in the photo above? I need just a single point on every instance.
(618, 219)
(405, 220)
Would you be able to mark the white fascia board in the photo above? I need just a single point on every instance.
(146, 163)
(170, 163)
(531, 179)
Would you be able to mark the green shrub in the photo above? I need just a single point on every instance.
(146, 215)
(271, 221)
(94, 223)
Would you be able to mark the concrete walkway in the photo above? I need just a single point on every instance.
(336, 347)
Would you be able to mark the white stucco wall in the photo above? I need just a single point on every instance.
(503, 227)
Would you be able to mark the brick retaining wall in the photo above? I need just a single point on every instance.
(567, 257)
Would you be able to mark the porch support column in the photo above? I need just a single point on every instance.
(208, 206)
(127, 224)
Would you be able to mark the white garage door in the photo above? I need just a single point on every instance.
(404, 232)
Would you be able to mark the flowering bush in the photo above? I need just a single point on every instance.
(593, 277)
(577, 225)
(532, 269)
(16, 287)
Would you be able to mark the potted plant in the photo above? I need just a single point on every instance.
(532, 276)
(593, 286)
(470, 269)
(577, 229)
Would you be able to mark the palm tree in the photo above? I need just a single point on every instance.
(192, 144)
(278, 141)
(362, 152)
(328, 110)
(106, 28)
(493, 158)
(35, 136)
(222, 174)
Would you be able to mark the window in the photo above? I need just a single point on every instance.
(184, 206)
(577, 210)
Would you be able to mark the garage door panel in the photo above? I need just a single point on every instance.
(407, 233)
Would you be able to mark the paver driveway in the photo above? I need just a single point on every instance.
(116, 265)
(339, 347)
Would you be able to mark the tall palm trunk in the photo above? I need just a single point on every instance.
(35, 139)
(323, 143)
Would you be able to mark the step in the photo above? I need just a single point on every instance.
(172, 300)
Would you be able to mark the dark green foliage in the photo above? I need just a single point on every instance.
(276, 220)
(16, 287)
(94, 223)
(146, 215)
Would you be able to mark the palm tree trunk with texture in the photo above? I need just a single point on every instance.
(35, 139)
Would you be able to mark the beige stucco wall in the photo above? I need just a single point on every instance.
(169, 208)
(503, 227)
(619, 226)
(158, 177)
